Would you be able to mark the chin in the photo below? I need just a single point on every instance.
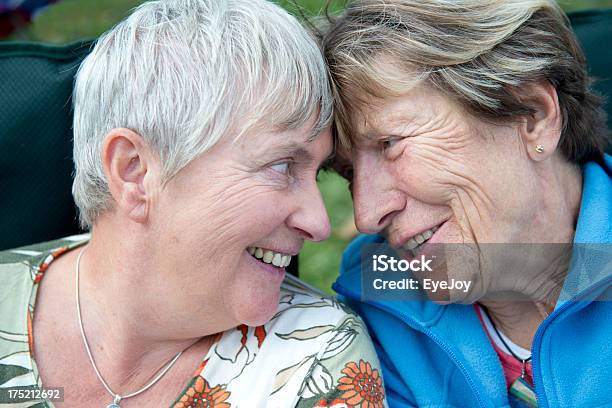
(255, 291)
(256, 309)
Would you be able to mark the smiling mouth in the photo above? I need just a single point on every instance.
(267, 256)
(414, 244)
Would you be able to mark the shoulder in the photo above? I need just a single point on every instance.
(308, 319)
(301, 303)
(20, 271)
(28, 263)
(299, 356)
(341, 351)
(351, 257)
(36, 254)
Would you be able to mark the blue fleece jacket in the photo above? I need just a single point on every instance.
(439, 355)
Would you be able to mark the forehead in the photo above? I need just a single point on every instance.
(398, 114)
(298, 141)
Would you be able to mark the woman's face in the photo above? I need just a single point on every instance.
(422, 166)
(258, 193)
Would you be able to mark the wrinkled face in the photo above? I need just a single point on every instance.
(426, 172)
(231, 220)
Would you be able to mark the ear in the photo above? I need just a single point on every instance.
(541, 130)
(129, 166)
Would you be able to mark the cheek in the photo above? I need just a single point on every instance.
(454, 162)
(207, 230)
(428, 173)
(228, 224)
(236, 214)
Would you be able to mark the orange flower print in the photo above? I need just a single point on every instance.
(259, 332)
(361, 385)
(337, 403)
(30, 333)
(202, 396)
(42, 268)
(201, 368)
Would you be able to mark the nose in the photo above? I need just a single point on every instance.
(374, 198)
(310, 219)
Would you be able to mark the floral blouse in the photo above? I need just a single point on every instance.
(314, 352)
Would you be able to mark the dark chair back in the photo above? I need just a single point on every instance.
(594, 30)
(36, 141)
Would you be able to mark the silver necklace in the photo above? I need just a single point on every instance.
(116, 397)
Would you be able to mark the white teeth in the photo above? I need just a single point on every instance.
(411, 244)
(277, 259)
(419, 239)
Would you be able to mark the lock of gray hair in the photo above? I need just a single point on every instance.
(477, 52)
(185, 73)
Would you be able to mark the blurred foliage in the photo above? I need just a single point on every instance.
(574, 5)
(70, 20)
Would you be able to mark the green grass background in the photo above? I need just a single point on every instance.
(70, 20)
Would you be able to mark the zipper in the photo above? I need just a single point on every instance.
(537, 341)
(414, 325)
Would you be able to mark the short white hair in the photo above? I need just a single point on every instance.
(184, 73)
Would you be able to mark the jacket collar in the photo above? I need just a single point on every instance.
(596, 205)
(589, 271)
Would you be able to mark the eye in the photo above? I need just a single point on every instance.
(282, 168)
(389, 143)
(347, 173)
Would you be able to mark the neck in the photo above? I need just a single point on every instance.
(131, 322)
(519, 321)
(540, 267)
(559, 191)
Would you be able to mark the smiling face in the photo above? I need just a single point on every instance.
(425, 171)
(242, 200)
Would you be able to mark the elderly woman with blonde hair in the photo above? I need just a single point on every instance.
(199, 129)
(469, 131)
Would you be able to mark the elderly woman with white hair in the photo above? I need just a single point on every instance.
(471, 134)
(199, 129)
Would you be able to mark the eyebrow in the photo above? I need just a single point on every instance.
(373, 133)
(374, 130)
(298, 150)
(292, 149)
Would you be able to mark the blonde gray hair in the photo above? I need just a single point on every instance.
(478, 52)
(184, 73)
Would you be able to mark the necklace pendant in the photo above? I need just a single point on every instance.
(115, 403)
(522, 394)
